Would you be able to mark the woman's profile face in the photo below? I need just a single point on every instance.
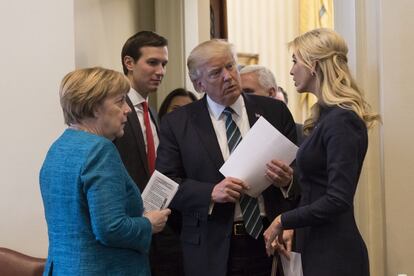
(177, 102)
(111, 116)
(302, 75)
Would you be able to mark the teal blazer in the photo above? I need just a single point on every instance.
(93, 210)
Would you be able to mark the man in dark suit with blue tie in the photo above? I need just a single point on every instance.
(144, 59)
(217, 237)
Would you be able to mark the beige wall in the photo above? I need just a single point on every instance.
(169, 22)
(185, 23)
(102, 27)
(384, 68)
(396, 41)
(369, 200)
(357, 24)
(37, 49)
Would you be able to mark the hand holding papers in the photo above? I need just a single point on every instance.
(159, 192)
(248, 161)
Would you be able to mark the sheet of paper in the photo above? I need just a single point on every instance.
(292, 267)
(159, 192)
(260, 145)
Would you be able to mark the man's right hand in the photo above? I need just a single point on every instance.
(157, 219)
(228, 190)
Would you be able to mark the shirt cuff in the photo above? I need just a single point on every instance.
(286, 190)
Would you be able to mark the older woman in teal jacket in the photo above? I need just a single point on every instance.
(93, 209)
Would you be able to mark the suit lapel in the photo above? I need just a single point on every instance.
(253, 111)
(137, 130)
(204, 127)
(154, 117)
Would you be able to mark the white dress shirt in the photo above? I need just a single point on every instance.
(137, 101)
(219, 123)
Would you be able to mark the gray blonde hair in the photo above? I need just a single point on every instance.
(203, 53)
(265, 76)
(83, 90)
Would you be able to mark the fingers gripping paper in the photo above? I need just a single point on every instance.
(248, 161)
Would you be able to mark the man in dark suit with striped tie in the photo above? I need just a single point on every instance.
(144, 59)
(221, 227)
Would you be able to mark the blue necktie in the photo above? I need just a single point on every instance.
(248, 205)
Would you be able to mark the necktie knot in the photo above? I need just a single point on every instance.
(145, 106)
(228, 111)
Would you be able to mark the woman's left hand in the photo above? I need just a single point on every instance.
(272, 232)
(284, 247)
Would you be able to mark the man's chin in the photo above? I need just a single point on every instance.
(234, 93)
(231, 98)
(153, 88)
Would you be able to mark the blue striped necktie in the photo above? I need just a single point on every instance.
(248, 205)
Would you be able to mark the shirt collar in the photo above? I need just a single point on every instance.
(135, 97)
(217, 109)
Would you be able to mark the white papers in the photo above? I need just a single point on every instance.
(248, 161)
(159, 192)
(292, 267)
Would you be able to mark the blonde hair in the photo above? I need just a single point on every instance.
(328, 50)
(83, 90)
(203, 53)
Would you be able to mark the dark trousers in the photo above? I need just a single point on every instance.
(247, 255)
(166, 254)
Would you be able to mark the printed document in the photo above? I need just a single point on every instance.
(262, 143)
(159, 192)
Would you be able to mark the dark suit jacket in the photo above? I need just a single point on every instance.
(189, 153)
(131, 147)
(329, 163)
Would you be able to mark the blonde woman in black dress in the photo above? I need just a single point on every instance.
(329, 161)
